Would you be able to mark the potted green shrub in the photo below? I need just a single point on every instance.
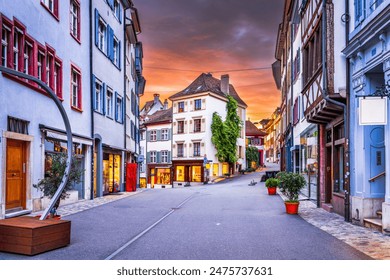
(54, 175)
(272, 184)
(291, 184)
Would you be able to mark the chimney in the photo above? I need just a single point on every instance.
(166, 104)
(225, 83)
(156, 97)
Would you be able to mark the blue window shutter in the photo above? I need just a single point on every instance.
(123, 110)
(111, 4)
(120, 14)
(108, 42)
(103, 101)
(93, 91)
(116, 106)
(158, 135)
(119, 54)
(169, 157)
(169, 134)
(96, 27)
(158, 157)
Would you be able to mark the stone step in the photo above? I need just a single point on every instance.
(379, 213)
(374, 223)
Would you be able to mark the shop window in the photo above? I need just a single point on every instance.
(196, 174)
(215, 169)
(142, 182)
(111, 173)
(180, 173)
(163, 176)
(225, 168)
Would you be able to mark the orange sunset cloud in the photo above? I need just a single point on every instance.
(183, 38)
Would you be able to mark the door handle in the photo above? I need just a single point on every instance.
(13, 174)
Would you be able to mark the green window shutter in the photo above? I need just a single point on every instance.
(158, 135)
(147, 157)
(158, 157)
(169, 157)
(147, 136)
(169, 134)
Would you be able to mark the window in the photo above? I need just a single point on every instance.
(98, 96)
(4, 45)
(153, 135)
(196, 149)
(180, 127)
(16, 50)
(197, 125)
(102, 35)
(117, 10)
(41, 57)
(116, 52)
(75, 19)
(76, 87)
(164, 134)
(51, 6)
(58, 78)
(49, 61)
(180, 150)
(312, 57)
(196, 174)
(119, 109)
(163, 176)
(27, 59)
(198, 104)
(153, 157)
(164, 156)
(181, 106)
(109, 101)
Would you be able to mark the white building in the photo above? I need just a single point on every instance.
(158, 146)
(193, 109)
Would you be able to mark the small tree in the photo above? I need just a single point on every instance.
(252, 155)
(225, 133)
(54, 175)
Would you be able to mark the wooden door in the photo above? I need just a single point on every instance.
(16, 174)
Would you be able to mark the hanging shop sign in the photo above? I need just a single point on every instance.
(373, 110)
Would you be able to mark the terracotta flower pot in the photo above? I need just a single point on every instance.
(291, 207)
(271, 190)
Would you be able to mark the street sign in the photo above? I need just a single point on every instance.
(140, 158)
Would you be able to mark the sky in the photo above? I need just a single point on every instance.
(184, 38)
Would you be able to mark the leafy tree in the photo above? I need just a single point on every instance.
(225, 133)
(252, 154)
(54, 175)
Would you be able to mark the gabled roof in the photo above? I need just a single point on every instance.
(252, 130)
(160, 116)
(147, 106)
(207, 83)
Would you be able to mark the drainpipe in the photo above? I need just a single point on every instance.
(124, 98)
(347, 120)
(92, 89)
(291, 101)
(325, 91)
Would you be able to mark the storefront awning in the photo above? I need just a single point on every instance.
(60, 134)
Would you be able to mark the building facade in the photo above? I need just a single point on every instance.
(368, 54)
(158, 144)
(255, 138)
(313, 85)
(193, 155)
(31, 125)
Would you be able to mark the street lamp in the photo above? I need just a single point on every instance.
(53, 96)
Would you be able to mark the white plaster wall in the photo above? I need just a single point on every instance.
(159, 145)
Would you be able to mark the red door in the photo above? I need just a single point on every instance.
(131, 177)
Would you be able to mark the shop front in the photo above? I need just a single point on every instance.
(111, 172)
(159, 176)
(187, 172)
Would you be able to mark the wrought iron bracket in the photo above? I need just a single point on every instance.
(381, 91)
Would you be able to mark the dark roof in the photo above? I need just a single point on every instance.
(148, 105)
(160, 116)
(252, 130)
(207, 83)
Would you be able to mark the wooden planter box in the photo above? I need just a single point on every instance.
(30, 236)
